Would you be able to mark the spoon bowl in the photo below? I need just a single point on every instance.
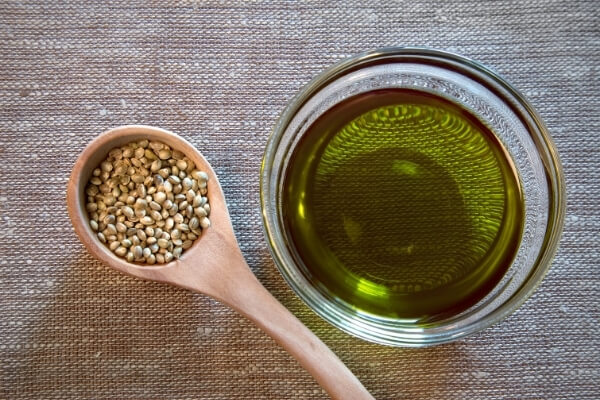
(214, 265)
(90, 158)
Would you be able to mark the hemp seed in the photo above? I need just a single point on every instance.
(147, 202)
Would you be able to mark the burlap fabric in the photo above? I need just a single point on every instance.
(219, 73)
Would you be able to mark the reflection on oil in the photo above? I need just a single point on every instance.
(402, 204)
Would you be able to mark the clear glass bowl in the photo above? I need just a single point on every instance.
(497, 105)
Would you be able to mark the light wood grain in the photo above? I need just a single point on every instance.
(214, 265)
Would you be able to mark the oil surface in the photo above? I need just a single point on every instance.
(402, 204)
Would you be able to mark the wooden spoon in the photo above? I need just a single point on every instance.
(214, 265)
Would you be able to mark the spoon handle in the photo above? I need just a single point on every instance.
(237, 287)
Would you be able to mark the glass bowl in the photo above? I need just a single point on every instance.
(497, 105)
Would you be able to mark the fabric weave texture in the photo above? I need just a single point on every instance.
(219, 73)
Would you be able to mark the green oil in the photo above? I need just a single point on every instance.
(402, 204)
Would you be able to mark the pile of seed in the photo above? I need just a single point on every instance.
(147, 202)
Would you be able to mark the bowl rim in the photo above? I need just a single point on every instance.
(535, 127)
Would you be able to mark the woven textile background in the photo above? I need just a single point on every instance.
(219, 73)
